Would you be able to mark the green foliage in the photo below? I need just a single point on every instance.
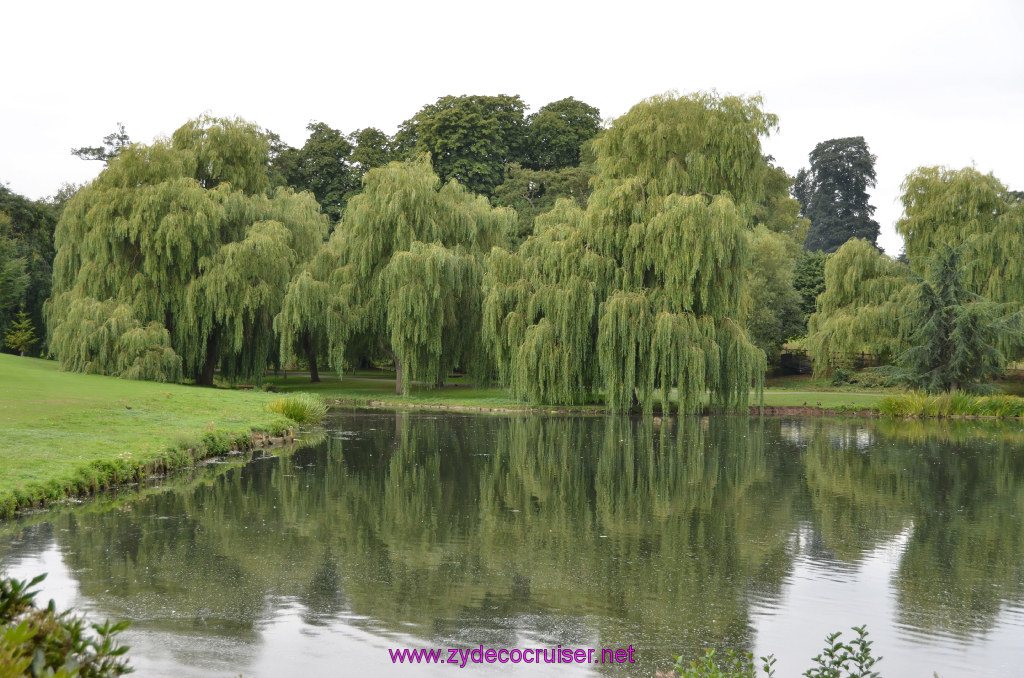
(809, 280)
(322, 166)
(302, 408)
(555, 133)
(773, 313)
(956, 336)
(26, 256)
(533, 192)
(401, 272)
(22, 335)
(38, 641)
(469, 138)
(643, 292)
(372, 149)
(839, 660)
(14, 279)
(833, 194)
(733, 665)
(174, 261)
(964, 208)
(841, 376)
(331, 165)
(866, 296)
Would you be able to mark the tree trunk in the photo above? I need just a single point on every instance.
(314, 373)
(398, 368)
(206, 375)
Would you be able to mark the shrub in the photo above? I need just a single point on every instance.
(841, 376)
(302, 408)
(734, 665)
(837, 660)
(43, 642)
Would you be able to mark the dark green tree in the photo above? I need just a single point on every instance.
(371, 148)
(957, 334)
(555, 133)
(809, 280)
(833, 194)
(27, 236)
(323, 166)
(174, 260)
(113, 143)
(470, 138)
(13, 278)
(533, 192)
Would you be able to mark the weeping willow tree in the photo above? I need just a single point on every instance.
(401, 273)
(954, 208)
(875, 305)
(860, 311)
(174, 261)
(642, 292)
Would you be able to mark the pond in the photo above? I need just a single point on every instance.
(406, 531)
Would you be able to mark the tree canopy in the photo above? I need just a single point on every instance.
(470, 138)
(331, 164)
(555, 133)
(833, 194)
(946, 207)
(400, 274)
(642, 292)
(861, 309)
(173, 262)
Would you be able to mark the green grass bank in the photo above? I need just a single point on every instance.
(69, 434)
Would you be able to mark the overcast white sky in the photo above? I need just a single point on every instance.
(926, 83)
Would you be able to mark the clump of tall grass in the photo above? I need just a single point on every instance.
(956, 404)
(302, 408)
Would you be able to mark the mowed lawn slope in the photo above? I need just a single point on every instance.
(62, 433)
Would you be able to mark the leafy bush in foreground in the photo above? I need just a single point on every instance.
(38, 641)
(837, 660)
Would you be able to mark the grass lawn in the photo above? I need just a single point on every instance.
(65, 433)
(362, 389)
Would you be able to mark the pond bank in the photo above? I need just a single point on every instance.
(69, 435)
(768, 410)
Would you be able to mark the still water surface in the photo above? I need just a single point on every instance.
(414, 530)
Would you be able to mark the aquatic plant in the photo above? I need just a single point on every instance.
(302, 408)
(955, 404)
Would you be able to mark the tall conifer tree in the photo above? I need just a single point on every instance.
(834, 194)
